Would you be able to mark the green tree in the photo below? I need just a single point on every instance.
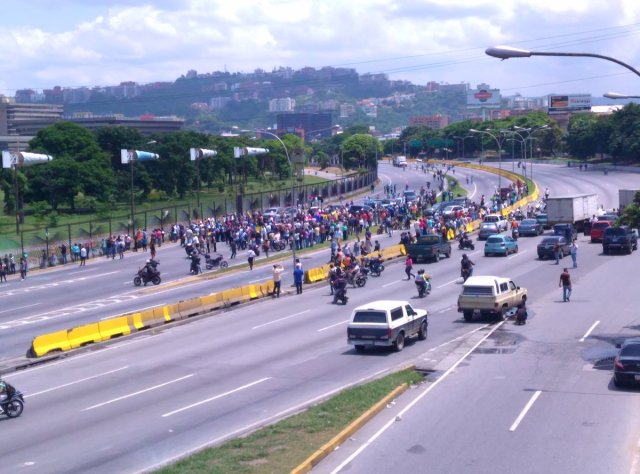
(360, 151)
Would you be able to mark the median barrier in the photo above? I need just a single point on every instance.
(251, 292)
(267, 288)
(316, 274)
(114, 327)
(233, 296)
(145, 319)
(82, 335)
(52, 342)
(211, 302)
(189, 308)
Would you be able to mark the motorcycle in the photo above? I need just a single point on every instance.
(515, 233)
(340, 291)
(216, 262)
(148, 273)
(423, 286)
(358, 278)
(376, 267)
(466, 243)
(278, 245)
(466, 273)
(195, 268)
(13, 405)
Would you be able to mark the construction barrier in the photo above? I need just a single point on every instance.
(233, 296)
(83, 335)
(144, 320)
(267, 288)
(55, 341)
(114, 327)
(211, 302)
(189, 308)
(251, 292)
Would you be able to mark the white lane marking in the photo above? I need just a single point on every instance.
(77, 381)
(281, 319)
(517, 254)
(333, 325)
(466, 334)
(524, 411)
(635, 465)
(416, 400)
(91, 269)
(392, 283)
(475, 190)
(19, 307)
(448, 283)
(124, 397)
(193, 405)
(586, 334)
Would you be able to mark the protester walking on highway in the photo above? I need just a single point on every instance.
(250, 256)
(298, 276)
(574, 253)
(556, 251)
(565, 283)
(152, 249)
(408, 266)
(277, 280)
(234, 249)
(83, 256)
(24, 267)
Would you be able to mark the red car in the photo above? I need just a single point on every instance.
(597, 230)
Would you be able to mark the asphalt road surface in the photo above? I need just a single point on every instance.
(144, 400)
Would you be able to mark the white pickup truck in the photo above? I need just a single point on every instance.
(489, 296)
(386, 323)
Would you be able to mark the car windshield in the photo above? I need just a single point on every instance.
(528, 222)
(494, 239)
(478, 290)
(631, 350)
(379, 317)
(428, 239)
(488, 226)
(615, 231)
(549, 240)
(600, 225)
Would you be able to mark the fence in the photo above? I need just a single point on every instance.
(48, 240)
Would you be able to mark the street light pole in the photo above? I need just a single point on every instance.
(293, 199)
(499, 143)
(506, 52)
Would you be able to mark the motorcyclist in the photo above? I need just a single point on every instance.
(149, 269)
(339, 285)
(195, 263)
(422, 280)
(6, 390)
(464, 240)
(466, 266)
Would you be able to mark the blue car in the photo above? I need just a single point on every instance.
(499, 244)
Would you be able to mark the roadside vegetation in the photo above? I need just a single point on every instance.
(281, 447)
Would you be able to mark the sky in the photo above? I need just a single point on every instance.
(73, 43)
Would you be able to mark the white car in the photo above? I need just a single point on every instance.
(272, 212)
(497, 219)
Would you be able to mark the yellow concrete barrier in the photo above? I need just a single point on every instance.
(114, 327)
(233, 296)
(144, 319)
(317, 274)
(54, 341)
(169, 312)
(83, 335)
(267, 288)
(211, 302)
(189, 308)
(251, 292)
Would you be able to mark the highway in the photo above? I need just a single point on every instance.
(67, 296)
(142, 401)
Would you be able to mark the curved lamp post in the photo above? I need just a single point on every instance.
(506, 52)
(293, 199)
(499, 143)
(129, 156)
(197, 154)
(616, 95)
(530, 132)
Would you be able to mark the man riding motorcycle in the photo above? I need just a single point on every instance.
(466, 267)
(422, 283)
(465, 242)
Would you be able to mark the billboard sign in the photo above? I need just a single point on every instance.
(483, 98)
(562, 104)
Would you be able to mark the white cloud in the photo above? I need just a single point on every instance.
(443, 40)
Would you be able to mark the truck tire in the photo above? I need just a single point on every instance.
(468, 315)
(437, 256)
(422, 333)
(398, 344)
(359, 347)
(448, 254)
(502, 315)
(605, 250)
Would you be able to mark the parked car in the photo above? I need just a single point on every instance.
(410, 196)
(547, 245)
(543, 220)
(496, 219)
(597, 230)
(272, 212)
(626, 365)
(621, 239)
(487, 229)
(356, 209)
(500, 245)
(530, 227)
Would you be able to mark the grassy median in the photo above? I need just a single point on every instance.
(281, 447)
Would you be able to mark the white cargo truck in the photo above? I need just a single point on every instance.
(626, 197)
(400, 161)
(574, 209)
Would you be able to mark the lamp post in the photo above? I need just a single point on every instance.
(499, 143)
(129, 156)
(530, 132)
(506, 52)
(197, 154)
(616, 95)
(293, 199)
